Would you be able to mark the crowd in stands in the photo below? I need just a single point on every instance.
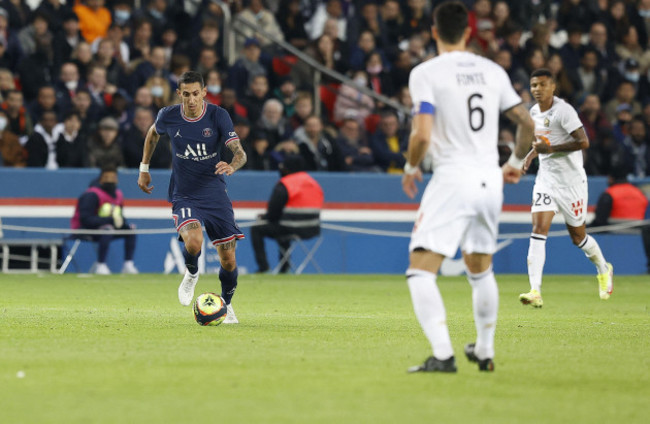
(81, 81)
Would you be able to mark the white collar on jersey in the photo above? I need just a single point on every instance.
(188, 119)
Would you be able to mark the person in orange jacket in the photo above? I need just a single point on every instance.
(94, 18)
(623, 202)
(293, 209)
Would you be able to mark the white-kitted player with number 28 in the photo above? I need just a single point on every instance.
(458, 97)
(560, 185)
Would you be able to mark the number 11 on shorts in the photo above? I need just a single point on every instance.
(186, 213)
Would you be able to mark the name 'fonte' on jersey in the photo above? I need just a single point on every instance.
(475, 78)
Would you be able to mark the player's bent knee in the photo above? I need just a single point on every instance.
(193, 246)
(228, 263)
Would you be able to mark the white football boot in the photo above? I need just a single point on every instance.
(186, 289)
(102, 269)
(231, 318)
(129, 268)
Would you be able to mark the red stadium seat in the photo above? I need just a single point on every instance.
(282, 65)
(328, 93)
(371, 122)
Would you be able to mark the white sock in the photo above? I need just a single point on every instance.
(485, 300)
(130, 263)
(430, 311)
(593, 252)
(536, 259)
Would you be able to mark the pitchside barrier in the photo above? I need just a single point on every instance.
(366, 225)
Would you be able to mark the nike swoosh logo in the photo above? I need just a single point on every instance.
(457, 266)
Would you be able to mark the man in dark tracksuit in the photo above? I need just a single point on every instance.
(293, 209)
(100, 207)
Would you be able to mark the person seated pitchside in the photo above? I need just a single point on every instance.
(100, 207)
(293, 209)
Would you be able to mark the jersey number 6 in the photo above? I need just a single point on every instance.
(475, 110)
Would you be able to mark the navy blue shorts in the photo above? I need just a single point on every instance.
(219, 223)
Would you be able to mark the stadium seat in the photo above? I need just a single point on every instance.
(282, 65)
(372, 121)
(309, 254)
(328, 94)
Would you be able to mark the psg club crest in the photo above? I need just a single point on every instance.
(207, 132)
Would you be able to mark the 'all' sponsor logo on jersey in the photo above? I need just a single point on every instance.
(200, 150)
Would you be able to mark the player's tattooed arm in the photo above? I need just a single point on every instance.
(239, 156)
(525, 129)
(580, 142)
(238, 160)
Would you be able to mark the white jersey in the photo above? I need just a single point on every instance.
(465, 93)
(555, 126)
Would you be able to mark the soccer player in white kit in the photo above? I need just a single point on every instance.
(457, 99)
(560, 185)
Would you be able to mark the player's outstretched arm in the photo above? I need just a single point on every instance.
(150, 142)
(523, 142)
(238, 160)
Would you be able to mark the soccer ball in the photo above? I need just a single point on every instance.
(210, 309)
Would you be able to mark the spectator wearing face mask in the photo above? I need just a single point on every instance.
(213, 87)
(161, 91)
(628, 71)
(379, 80)
(66, 85)
(122, 11)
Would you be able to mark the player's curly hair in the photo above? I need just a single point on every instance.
(450, 19)
(190, 77)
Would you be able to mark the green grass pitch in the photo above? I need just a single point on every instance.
(315, 349)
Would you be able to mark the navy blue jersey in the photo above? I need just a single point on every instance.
(196, 143)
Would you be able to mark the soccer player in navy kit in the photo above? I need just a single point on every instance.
(197, 189)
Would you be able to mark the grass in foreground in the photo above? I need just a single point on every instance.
(315, 349)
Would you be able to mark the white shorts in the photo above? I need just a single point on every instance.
(571, 201)
(459, 208)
